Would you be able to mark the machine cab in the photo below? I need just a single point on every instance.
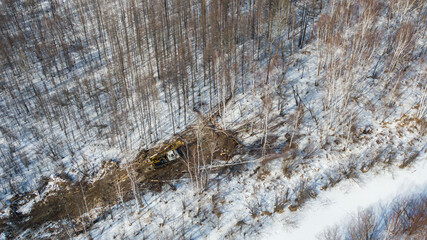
(173, 155)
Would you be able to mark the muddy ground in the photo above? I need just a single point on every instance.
(113, 182)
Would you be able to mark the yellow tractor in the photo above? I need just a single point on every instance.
(169, 154)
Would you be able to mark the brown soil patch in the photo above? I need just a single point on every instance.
(203, 144)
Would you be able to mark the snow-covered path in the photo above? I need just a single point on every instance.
(337, 205)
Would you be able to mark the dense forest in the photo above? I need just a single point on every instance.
(75, 72)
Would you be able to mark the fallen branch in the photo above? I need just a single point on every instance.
(267, 157)
(171, 180)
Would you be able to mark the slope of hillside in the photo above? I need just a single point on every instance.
(325, 101)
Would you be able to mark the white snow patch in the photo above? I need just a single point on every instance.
(337, 205)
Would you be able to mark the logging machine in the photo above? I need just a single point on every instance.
(170, 153)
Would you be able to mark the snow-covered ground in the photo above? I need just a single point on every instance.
(224, 211)
(338, 205)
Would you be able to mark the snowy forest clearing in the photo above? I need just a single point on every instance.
(332, 207)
